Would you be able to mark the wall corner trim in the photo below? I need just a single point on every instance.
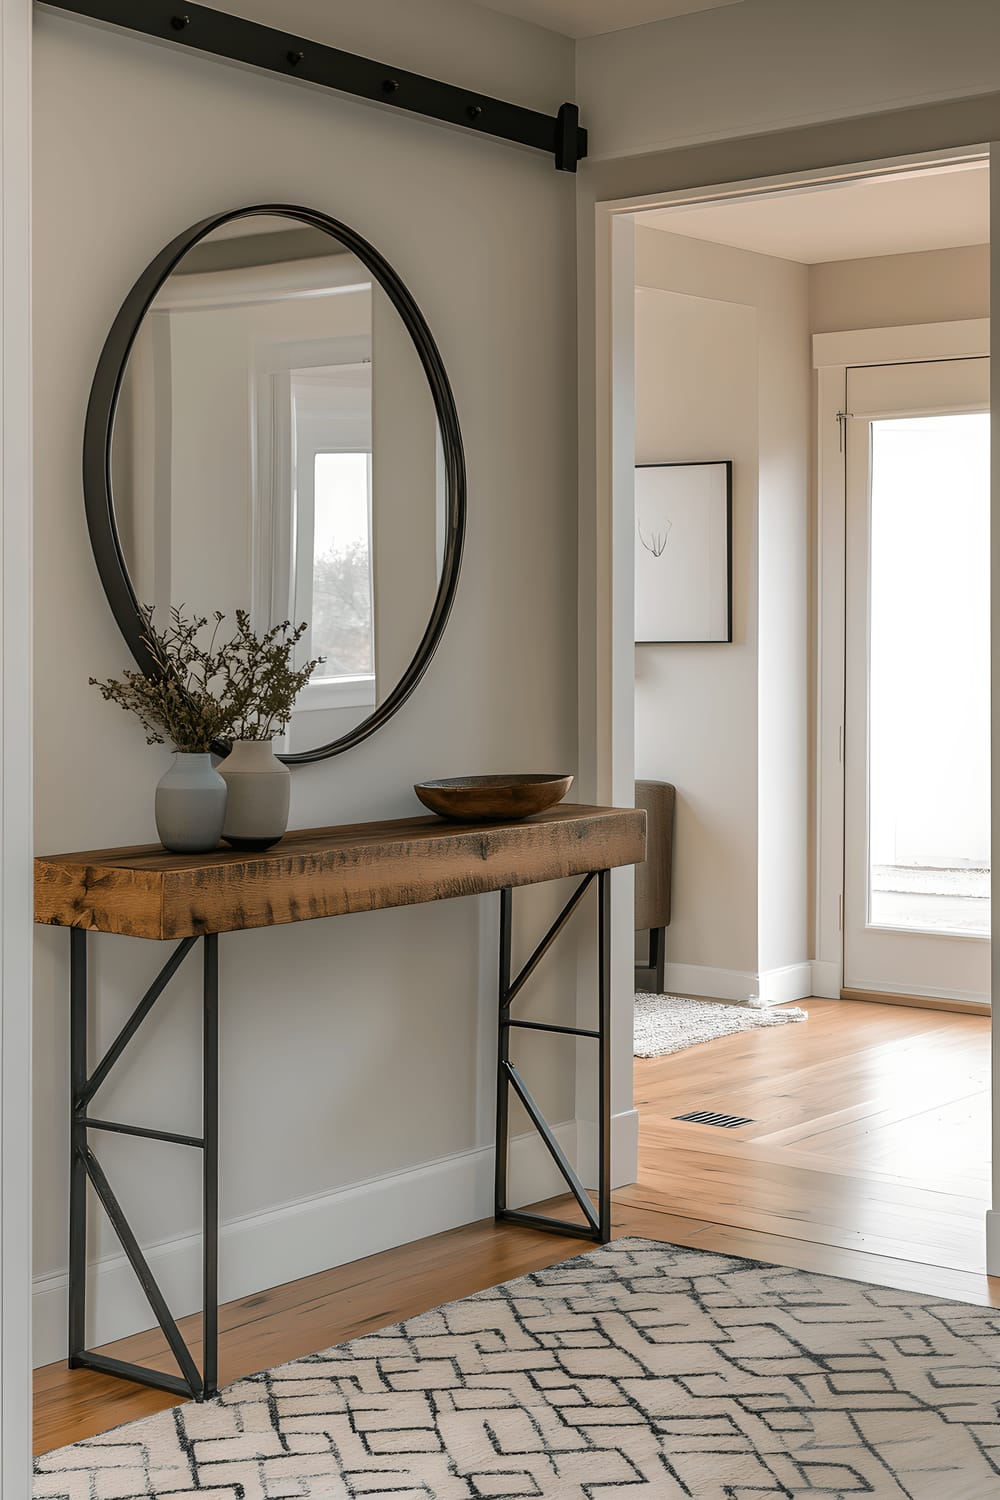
(992, 1242)
(624, 1148)
(16, 523)
(827, 979)
(787, 984)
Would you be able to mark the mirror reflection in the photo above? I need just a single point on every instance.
(275, 447)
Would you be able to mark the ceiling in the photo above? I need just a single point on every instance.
(579, 18)
(929, 210)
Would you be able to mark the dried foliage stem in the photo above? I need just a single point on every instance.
(198, 695)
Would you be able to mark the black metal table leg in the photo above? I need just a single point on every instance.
(604, 1052)
(77, 1144)
(503, 1057)
(596, 1225)
(85, 1166)
(210, 1166)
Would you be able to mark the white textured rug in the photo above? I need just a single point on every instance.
(669, 1023)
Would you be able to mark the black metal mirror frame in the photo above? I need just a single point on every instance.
(103, 405)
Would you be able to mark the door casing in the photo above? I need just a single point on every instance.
(886, 960)
(833, 355)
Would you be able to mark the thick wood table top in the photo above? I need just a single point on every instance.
(327, 872)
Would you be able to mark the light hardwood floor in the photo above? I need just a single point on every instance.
(871, 1132)
(867, 1158)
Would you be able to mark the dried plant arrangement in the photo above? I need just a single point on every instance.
(209, 691)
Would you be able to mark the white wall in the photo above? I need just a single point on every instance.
(722, 371)
(357, 1049)
(696, 706)
(773, 64)
(892, 291)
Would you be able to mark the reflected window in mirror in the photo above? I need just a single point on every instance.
(314, 550)
(337, 568)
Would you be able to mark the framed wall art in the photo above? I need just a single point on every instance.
(683, 552)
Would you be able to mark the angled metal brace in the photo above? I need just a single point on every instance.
(556, 1152)
(136, 1019)
(140, 1266)
(597, 1224)
(85, 1167)
(510, 994)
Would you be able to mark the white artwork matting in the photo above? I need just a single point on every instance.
(683, 585)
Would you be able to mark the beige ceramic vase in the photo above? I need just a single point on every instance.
(259, 791)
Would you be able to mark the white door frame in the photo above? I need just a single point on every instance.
(15, 749)
(606, 663)
(833, 355)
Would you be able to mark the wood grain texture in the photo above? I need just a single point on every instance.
(326, 872)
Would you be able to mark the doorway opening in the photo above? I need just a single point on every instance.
(830, 762)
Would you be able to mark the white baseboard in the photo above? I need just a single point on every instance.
(716, 984)
(992, 1242)
(772, 987)
(624, 1148)
(298, 1239)
(785, 985)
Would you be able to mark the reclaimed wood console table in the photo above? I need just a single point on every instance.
(316, 872)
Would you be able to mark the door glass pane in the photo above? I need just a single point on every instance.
(342, 635)
(929, 689)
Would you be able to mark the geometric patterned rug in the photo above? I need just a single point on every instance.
(638, 1370)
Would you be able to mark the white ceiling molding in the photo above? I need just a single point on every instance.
(580, 18)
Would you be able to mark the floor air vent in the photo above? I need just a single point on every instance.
(711, 1117)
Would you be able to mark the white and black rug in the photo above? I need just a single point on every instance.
(639, 1369)
(668, 1023)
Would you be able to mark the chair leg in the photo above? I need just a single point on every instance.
(656, 961)
(642, 968)
(658, 955)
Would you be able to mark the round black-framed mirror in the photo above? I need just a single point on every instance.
(98, 469)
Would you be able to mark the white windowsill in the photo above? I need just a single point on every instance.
(337, 692)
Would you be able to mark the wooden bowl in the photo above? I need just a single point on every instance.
(483, 799)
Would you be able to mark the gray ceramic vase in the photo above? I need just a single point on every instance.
(190, 804)
(259, 792)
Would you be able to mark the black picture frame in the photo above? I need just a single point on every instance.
(658, 545)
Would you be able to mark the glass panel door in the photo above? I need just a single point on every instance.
(917, 909)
